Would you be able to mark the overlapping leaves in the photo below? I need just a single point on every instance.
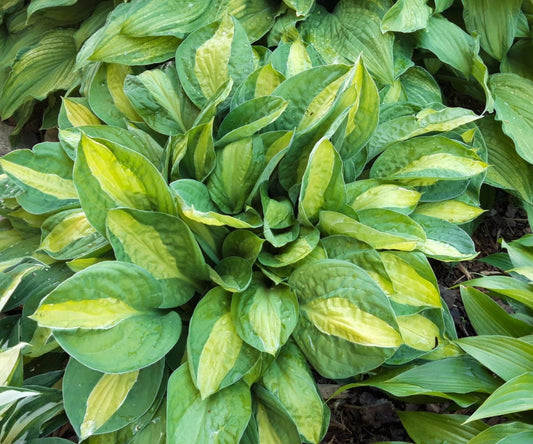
(279, 207)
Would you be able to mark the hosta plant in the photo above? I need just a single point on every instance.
(213, 226)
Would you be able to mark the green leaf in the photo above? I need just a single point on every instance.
(458, 375)
(488, 318)
(342, 334)
(288, 378)
(110, 176)
(382, 229)
(162, 244)
(232, 273)
(444, 240)
(453, 211)
(494, 23)
(505, 356)
(256, 16)
(369, 193)
(212, 55)
(353, 28)
(106, 317)
(155, 431)
(68, 235)
(520, 251)
(294, 57)
(194, 153)
(40, 5)
(302, 7)
(291, 252)
(436, 428)
(77, 113)
(419, 333)
(99, 403)
(513, 94)
(430, 157)
(506, 286)
(249, 117)
(513, 396)
(45, 177)
(407, 122)
(497, 432)
(242, 243)
(196, 204)
(49, 441)
(167, 17)
(406, 16)
(518, 438)
(10, 395)
(12, 275)
(238, 166)
(193, 420)
(442, 5)
(37, 72)
(218, 100)
(262, 82)
(10, 358)
(271, 422)
(420, 87)
(106, 95)
(360, 254)
(26, 419)
(265, 317)
(131, 138)
(322, 183)
(362, 118)
(457, 49)
(319, 99)
(176, 17)
(111, 45)
(157, 96)
(410, 287)
(311, 95)
(212, 333)
(513, 62)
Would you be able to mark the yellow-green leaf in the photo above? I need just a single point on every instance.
(418, 332)
(46, 67)
(104, 313)
(409, 287)
(389, 196)
(45, 176)
(105, 399)
(223, 341)
(68, 235)
(453, 211)
(406, 16)
(217, 356)
(9, 359)
(112, 176)
(212, 58)
(339, 317)
(79, 115)
(322, 183)
(62, 189)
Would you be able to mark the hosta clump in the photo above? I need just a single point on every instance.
(232, 217)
